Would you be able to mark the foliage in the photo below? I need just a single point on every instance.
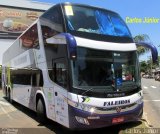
(144, 66)
(142, 38)
(147, 65)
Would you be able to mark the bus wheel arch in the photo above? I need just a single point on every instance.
(40, 108)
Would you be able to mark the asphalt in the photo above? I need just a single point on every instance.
(151, 91)
(16, 119)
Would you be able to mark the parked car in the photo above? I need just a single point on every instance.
(157, 77)
(149, 76)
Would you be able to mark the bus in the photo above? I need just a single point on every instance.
(78, 66)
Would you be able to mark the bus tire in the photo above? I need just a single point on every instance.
(41, 111)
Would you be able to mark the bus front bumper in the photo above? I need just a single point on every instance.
(82, 120)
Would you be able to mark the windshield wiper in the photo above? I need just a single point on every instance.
(90, 89)
(93, 88)
(84, 91)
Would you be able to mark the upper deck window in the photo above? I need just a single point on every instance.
(53, 18)
(95, 20)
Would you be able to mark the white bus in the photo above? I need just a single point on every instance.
(76, 65)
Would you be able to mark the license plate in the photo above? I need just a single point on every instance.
(117, 120)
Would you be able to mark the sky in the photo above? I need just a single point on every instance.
(138, 9)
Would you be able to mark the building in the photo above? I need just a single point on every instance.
(15, 17)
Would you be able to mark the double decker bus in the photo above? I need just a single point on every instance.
(76, 65)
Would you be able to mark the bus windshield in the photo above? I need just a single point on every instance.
(105, 71)
(95, 20)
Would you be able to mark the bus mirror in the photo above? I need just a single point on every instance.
(72, 46)
(65, 38)
(152, 48)
(57, 39)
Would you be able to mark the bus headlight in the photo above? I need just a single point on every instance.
(87, 108)
(92, 110)
(82, 120)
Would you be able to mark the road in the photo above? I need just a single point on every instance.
(151, 90)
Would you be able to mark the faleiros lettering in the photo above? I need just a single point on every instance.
(114, 103)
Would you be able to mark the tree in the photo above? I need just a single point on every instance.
(142, 38)
(144, 66)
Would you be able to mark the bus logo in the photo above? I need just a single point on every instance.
(118, 109)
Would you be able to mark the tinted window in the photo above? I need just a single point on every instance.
(22, 79)
(59, 73)
(53, 19)
(30, 38)
(37, 78)
(56, 56)
(92, 20)
(101, 68)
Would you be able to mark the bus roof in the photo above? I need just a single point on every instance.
(77, 4)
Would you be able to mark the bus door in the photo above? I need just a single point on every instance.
(37, 84)
(61, 105)
(21, 87)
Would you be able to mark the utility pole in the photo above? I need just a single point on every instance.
(151, 64)
(150, 61)
(158, 58)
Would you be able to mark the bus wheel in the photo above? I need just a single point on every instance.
(41, 111)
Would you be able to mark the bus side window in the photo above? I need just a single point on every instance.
(34, 80)
(48, 32)
(54, 15)
(41, 79)
(37, 79)
(22, 79)
(60, 73)
(30, 38)
(52, 23)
